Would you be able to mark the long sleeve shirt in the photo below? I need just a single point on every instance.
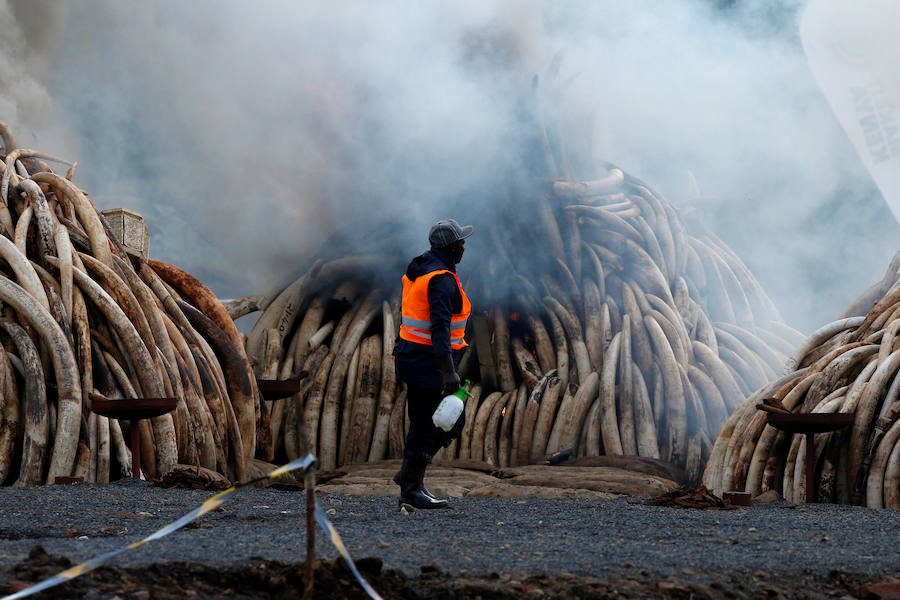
(417, 364)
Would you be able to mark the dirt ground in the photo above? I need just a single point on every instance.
(537, 532)
(333, 580)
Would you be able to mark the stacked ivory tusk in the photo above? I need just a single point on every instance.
(83, 319)
(847, 366)
(625, 334)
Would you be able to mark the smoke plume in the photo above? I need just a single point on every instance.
(247, 136)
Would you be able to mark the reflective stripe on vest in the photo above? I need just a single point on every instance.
(410, 322)
(415, 312)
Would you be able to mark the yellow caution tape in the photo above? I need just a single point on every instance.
(305, 463)
(338, 543)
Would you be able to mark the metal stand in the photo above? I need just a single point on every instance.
(275, 389)
(133, 410)
(810, 424)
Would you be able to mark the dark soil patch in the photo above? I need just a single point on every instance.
(333, 580)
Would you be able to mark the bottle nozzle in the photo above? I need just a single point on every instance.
(463, 390)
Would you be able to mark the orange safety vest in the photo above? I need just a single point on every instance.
(415, 312)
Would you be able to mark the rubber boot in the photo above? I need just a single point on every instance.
(411, 495)
(398, 479)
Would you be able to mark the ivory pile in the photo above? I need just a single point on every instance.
(82, 319)
(847, 366)
(625, 334)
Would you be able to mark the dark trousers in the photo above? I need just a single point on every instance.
(424, 438)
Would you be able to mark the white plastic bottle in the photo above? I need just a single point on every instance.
(447, 413)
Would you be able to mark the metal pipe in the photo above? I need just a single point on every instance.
(310, 533)
(810, 468)
(135, 449)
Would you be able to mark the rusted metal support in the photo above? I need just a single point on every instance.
(309, 573)
(810, 467)
(809, 424)
(133, 410)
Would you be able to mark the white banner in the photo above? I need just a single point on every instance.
(854, 54)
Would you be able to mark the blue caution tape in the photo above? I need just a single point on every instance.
(210, 504)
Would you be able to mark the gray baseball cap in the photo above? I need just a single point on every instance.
(446, 231)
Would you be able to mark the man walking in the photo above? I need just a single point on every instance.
(433, 313)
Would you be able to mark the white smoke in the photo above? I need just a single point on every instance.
(24, 99)
(248, 134)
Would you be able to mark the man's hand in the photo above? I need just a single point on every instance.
(449, 374)
(451, 382)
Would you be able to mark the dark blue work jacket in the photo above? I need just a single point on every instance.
(417, 364)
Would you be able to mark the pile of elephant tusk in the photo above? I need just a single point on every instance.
(626, 335)
(629, 333)
(82, 319)
(847, 366)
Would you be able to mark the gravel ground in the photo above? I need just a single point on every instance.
(492, 538)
